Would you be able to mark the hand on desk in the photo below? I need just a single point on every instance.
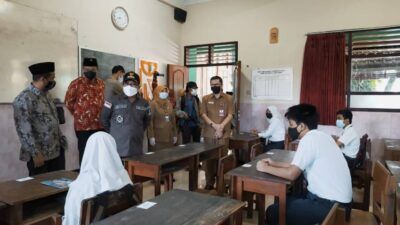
(38, 160)
(254, 131)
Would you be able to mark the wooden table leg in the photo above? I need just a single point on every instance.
(282, 205)
(238, 218)
(194, 173)
(157, 182)
(15, 214)
(261, 208)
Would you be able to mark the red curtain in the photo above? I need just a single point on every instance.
(323, 81)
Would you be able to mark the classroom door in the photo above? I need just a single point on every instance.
(236, 94)
(178, 76)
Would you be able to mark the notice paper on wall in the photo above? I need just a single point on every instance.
(272, 84)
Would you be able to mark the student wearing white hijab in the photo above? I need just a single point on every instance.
(101, 171)
(275, 134)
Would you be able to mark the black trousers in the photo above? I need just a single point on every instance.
(301, 211)
(49, 165)
(274, 145)
(83, 136)
(190, 132)
(350, 162)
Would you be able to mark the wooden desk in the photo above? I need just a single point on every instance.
(180, 207)
(18, 195)
(172, 159)
(251, 180)
(392, 149)
(394, 167)
(243, 142)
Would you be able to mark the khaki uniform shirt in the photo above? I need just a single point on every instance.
(217, 110)
(162, 124)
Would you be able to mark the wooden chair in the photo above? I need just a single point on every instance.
(398, 201)
(256, 150)
(109, 203)
(336, 216)
(383, 195)
(361, 176)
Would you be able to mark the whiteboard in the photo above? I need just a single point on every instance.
(29, 36)
(272, 84)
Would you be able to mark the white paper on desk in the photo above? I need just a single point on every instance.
(394, 166)
(149, 153)
(146, 205)
(181, 145)
(24, 179)
(246, 165)
(270, 153)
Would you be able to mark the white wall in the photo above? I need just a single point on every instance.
(152, 34)
(249, 22)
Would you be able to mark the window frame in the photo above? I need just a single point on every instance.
(210, 45)
(349, 57)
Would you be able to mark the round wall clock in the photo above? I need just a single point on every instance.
(119, 17)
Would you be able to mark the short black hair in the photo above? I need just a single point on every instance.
(216, 78)
(346, 113)
(304, 113)
(190, 84)
(117, 69)
(37, 77)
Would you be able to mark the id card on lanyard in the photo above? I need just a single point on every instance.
(221, 111)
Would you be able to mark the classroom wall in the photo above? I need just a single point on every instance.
(152, 34)
(249, 22)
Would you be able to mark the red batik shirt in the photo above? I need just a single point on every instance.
(85, 100)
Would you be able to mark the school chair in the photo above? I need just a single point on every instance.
(336, 216)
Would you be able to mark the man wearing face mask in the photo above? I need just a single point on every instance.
(349, 141)
(187, 110)
(113, 85)
(85, 99)
(126, 117)
(37, 124)
(217, 112)
(322, 164)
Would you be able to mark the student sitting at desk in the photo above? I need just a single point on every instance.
(101, 171)
(349, 141)
(275, 134)
(323, 165)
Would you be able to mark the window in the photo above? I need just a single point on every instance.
(217, 54)
(374, 70)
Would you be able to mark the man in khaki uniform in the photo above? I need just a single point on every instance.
(217, 112)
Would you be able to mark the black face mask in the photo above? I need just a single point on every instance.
(216, 89)
(50, 85)
(90, 74)
(293, 133)
(268, 115)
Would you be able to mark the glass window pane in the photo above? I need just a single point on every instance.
(375, 101)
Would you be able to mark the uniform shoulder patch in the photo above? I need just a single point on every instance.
(107, 104)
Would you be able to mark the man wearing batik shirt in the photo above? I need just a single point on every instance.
(85, 99)
(36, 121)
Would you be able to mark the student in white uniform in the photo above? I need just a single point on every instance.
(349, 141)
(275, 134)
(323, 166)
(101, 171)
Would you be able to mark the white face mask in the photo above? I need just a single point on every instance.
(121, 79)
(163, 95)
(194, 92)
(129, 90)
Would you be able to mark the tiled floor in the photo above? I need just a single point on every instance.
(181, 182)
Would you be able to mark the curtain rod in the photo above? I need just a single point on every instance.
(352, 30)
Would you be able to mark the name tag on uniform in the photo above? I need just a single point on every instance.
(166, 118)
(142, 108)
(122, 106)
(211, 103)
(107, 104)
(221, 112)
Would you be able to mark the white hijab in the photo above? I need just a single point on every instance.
(275, 113)
(101, 171)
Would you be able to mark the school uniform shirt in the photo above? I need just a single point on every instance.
(275, 131)
(324, 167)
(217, 110)
(112, 88)
(37, 124)
(85, 99)
(351, 141)
(162, 124)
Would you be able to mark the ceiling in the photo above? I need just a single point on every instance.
(191, 2)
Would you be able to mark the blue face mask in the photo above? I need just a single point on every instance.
(340, 124)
